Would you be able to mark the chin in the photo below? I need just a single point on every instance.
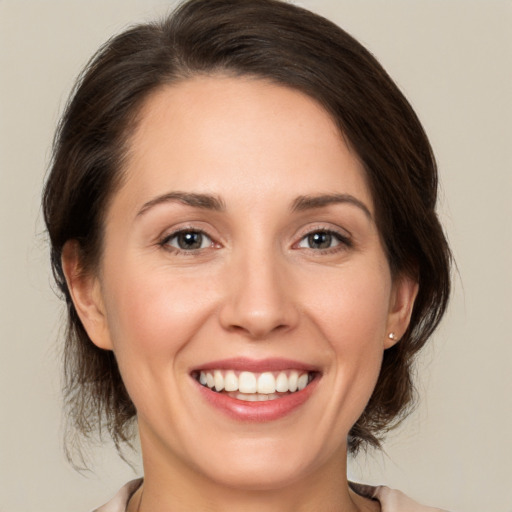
(261, 464)
(257, 474)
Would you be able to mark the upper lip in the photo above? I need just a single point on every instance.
(256, 365)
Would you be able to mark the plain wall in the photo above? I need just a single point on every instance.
(453, 60)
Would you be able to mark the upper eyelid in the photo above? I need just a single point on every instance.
(343, 234)
(170, 233)
(328, 228)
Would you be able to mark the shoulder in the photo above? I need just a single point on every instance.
(119, 502)
(391, 500)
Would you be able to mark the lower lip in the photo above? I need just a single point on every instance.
(258, 412)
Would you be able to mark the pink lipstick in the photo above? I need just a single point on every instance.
(256, 390)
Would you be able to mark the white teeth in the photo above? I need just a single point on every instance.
(282, 383)
(293, 381)
(255, 386)
(231, 381)
(302, 382)
(255, 397)
(247, 383)
(266, 383)
(219, 380)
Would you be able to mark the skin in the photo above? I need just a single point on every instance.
(257, 288)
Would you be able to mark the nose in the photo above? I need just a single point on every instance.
(259, 297)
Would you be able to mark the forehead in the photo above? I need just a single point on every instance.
(220, 134)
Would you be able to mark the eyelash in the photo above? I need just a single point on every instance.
(165, 241)
(343, 241)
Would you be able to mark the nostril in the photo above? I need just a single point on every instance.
(258, 301)
(258, 330)
(260, 324)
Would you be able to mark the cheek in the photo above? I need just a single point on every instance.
(352, 307)
(154, 313)
(152, 317)
(352, 315)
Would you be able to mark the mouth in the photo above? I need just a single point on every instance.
(250, 386)
(256, 390)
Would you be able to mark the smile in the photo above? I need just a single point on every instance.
(256, 390)
(255, 387)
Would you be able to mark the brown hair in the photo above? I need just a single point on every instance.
(287, 45)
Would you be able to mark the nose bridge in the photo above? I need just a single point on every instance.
(258, 300)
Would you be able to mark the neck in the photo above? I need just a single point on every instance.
(169, 485)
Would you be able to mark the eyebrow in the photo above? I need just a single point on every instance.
(319, 201)
(215, 203)
(203, 201)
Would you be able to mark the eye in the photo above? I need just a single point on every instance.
(188, 240)
(322, 239)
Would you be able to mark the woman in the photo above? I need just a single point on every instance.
(241, 209)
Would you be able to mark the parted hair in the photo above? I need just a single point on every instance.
(288, 45)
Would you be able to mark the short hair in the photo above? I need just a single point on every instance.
(286, 45)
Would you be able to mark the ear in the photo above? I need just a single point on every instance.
(403, 295)
(86, 294)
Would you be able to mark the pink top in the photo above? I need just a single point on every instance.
(390, 500)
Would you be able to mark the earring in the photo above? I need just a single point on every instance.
(392, 336)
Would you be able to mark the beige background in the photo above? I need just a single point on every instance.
(453, 59)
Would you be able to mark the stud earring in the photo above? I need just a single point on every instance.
(392, 336)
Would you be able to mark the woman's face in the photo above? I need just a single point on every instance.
(242, 249)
